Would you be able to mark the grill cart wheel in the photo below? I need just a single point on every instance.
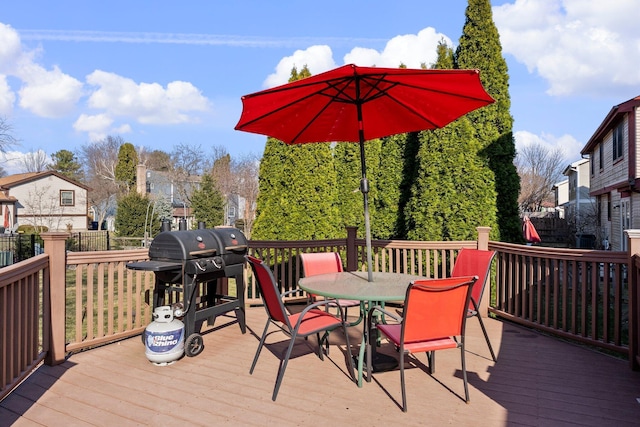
(193, 345)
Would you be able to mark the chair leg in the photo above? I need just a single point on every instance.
(464, 373)
(321, 341)
(283, 366)
(402, 385)
(486, 336)
(262, 339)
(484, 331)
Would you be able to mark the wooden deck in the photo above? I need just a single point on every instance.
(537, 381)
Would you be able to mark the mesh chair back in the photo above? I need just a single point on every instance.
(269, 290)
(436, 308)
(321, 262)
(474, 262)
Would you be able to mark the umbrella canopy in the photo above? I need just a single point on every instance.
(529, 231)
(7, 219)
(357, 104)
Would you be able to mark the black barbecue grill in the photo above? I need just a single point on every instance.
(191, 262)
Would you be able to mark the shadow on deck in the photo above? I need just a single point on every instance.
(537, 380)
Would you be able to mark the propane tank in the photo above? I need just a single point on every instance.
(164, 337)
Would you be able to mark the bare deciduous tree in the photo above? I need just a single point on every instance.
(35, 161)
(7, 139)
(100, 159)
(246, 173)
(539, 168)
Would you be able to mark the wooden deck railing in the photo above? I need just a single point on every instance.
(60, 302)
(581, 295)
(24, 320)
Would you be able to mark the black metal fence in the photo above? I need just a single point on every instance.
(18, 247)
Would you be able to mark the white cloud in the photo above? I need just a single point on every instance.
(7, 97)
(579, 47)
(317, 59)
(569, 146)
(147, 103)
(411, 50)
(46, 93)
(99, 126)
(10, 49)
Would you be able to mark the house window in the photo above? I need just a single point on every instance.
(67, 198)
(601, 153)
(618, 134)
(232, 212)
(599, 210)
(608, 206)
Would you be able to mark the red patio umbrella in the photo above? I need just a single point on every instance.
(7, 219)
(529, 231)
(357, 104)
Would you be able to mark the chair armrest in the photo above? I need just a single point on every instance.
(343, 317)
(380, 309)
(284, 294)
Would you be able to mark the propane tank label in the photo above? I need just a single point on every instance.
(162, 342)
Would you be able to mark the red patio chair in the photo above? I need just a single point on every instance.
(434, 319)
(475, 262)
(309, 321)
(327, 262)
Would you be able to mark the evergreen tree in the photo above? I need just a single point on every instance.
(207, 203)
(452, 193)
(126, 167)
(66, 163)
(350, 200)
(133, 212)
(297, 190)
(479, 47)
(388, 185)
(450, 181)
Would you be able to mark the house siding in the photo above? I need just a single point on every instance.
(618, 180)
(39, 204)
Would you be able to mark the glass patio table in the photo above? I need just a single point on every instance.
(354, 285)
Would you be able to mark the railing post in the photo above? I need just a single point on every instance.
(352, 253)
(483, 244)
(483, 237)
(634, 299)
(54, 246)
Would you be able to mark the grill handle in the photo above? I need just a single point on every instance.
(204, 252)
(236, 248)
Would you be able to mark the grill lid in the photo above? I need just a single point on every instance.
(183, 245)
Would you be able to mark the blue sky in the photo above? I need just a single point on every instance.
(163, 73)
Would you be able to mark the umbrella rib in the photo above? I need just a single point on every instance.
(330, 98)
(295, 101)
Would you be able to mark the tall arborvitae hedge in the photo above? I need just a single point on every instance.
(451, 193)
(297, 191)
(479, 47)
(350, 200)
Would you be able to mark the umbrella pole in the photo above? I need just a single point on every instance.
(364, 188)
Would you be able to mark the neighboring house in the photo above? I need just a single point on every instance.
(163, 185)
(44, 199)
(561, 196)
(234, 209)
(580, 209)
(615, 179)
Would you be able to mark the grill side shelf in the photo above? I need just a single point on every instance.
(155, 266)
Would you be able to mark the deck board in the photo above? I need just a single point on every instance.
(537, 381)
